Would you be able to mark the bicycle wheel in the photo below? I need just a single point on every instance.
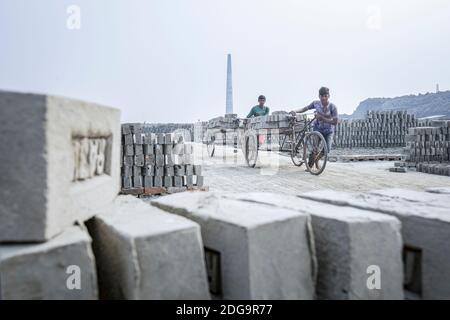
(251, 150)
(297, 154)
(315, 152)
(210, 144)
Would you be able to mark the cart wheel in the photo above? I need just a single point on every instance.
(210, 144)
(297, 154)
(251, 149)
(315, 152)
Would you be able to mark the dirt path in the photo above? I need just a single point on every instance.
(277, 174)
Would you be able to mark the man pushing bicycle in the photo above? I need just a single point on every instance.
(326, 116)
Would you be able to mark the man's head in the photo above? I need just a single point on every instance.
(324, 95)
(261, 100)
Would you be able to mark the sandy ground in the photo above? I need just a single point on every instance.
(276, 173)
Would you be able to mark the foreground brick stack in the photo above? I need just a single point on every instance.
(380, 129)
(428, 148)
(65, 177)
(158, 161)
(135, 251)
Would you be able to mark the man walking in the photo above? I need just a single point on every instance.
(326, 115)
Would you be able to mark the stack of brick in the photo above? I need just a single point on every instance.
(429, 147)
(380, 129)
(160, 160)
(275, 121)
(229, 121)
(69, 175)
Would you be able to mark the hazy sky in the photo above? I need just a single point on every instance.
(165, 60)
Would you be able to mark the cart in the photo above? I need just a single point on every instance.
(303, 145)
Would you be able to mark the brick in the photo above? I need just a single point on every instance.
(137, 181)
(148, 170)
(157, 181)
(129, 150)
(169, 159)
(127, 171)
(145, 253)
(169, 171)
(168, 138)
(167, 149)
(199, 181)
(137, 171)
(159, 160)
(189, 170)
(41, 271)
(127, 182)
(126, 129)
(424, 227)
(255, 261)
(160, 139)
(148, 181)
(149, 138)
(139, 160)
(74, 171)
(197, 170)
(159, 171)
(179, 170)
(188, 181)
(138, 139)
(128, 161)
(136, 128)
(158, 149)
(177, 181)
(138, 149)
(167, 181)
(128, 139)
(149, 159)
(149, 149)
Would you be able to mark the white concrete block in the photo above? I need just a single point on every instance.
(49, 271)
(348, 241)
(145, 253)
(59, 163)
(261, 252)
(425, 219)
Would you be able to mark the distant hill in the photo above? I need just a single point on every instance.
(422, 105)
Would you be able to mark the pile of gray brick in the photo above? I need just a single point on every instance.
(428, 148)
(130, 250)
(431, 143)
(380, 129)
(161, 160)
(229, 121)
(279, 120)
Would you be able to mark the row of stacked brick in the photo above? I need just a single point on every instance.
(160, 160)
(380, 129)
(429, 147)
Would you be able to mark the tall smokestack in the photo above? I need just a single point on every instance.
(229, 103)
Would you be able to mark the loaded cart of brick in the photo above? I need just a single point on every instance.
(226, 130)
(154, 163)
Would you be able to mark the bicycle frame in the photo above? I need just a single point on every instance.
(298, 137)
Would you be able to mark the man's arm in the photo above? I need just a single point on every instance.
(251, 114)
(333, 119)
(267, 111)
(304, 109)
